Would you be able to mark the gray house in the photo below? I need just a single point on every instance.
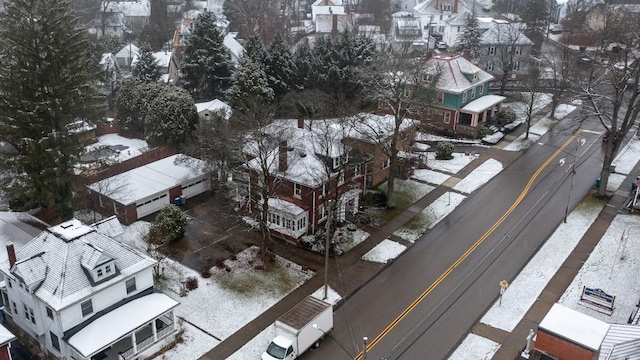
(505, 50)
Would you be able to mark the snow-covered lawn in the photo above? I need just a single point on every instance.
(479, 176)
(475, 347)
(412, 190)
(452, 166)
(612, 266)
(385, 251)
(420, 136)
(624, 161)
(563, 110)
(429, 176)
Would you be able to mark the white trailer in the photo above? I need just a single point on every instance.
(300, 328)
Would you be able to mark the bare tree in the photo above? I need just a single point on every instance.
(532, 83)
(556, 76)
(402, 87)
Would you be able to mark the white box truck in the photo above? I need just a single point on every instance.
(300, 328)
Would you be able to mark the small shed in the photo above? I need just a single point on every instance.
(145, 190)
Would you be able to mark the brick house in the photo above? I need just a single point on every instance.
(6, 337)
(462, 103)
(312, 162)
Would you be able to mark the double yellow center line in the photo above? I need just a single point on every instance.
(466, 254)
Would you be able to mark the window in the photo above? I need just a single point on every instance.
(518, 50)
(302, 223)
(297, 190)
(479, 90)
(325, 189)
(107, 269)
(49, 313)
(447, 117)
(341, 177)
(440, 17)
(10, 283)
(28, 314)
(441, 97)
(516, 65)
(464, 97)
(440, 28)
(131, 285)
(459, 28)
(99, 272)
(490, 66)
(446, 7)
(336, 162)
(385, 164)
(55, 342)
(322, 213)
(15, 307)
(492, 50)
(473, 93)
(356, 170)
(86, 307)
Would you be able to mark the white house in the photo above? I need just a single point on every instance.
(205, 109)
(83, 295)
(326, 7)
(125, 56)
(120, 16)
(166, 63)
(434, 14)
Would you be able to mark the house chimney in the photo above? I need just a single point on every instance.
(334, 26)
(466, 53)
(437, 5)
(11, 253)
(326, 2)
(300, 122)
(282, 157)
(455, 6)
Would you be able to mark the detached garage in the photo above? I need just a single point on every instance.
(144, 190)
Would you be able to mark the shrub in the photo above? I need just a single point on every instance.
(374, 198)
(444, 151)
(170, 223)
(191, 283)
(505, 116)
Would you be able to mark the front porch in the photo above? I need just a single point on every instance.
(144, 324)
(480, 110)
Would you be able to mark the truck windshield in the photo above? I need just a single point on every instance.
(276, 351)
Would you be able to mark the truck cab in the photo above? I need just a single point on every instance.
(280, 348)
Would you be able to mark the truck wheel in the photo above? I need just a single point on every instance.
(317, 344)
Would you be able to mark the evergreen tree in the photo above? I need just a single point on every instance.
(279, 67)
(255, 50)
(249, 82)
(535, 14)
(470, 37)
(45, 86)
(171, 118)
(145, 69)
(206, 67)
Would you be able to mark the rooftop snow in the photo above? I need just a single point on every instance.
(18, 228)
(5, 336)
(138, 8)
(451, 72)
(575, 326)
(233, 45)
(285, 206)
(505, 33)
(213, 105)
(483, 103)
(151, 179)
(119, 322)
(71, 229)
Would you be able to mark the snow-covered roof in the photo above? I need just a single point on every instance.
(483, 103)
(214, 105)
(233, 45)
(429, 6)
(135, 8)
(110, 227)
(622, 335)
(54, 259)
(307, 147)
(502, 32)
(128, 51)
(285, 206)
(327, 3)
(18, 228)
(119, 322)
(80, 126)
(163, 58)
(5, 336)
(451, 72)
(575, 326)
(151, 179)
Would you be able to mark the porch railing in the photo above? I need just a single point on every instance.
(146, 343)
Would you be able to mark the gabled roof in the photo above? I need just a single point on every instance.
(110, 227)
(214, 105)
(329, 3)
(55, 259)
(128, 51)
(451, 72)
(233, 45)
(429, 6)
(502, 32)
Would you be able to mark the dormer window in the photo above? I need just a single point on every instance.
(107, 268)
(99, 272)
(445, 7)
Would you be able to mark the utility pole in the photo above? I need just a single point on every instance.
(326, 250)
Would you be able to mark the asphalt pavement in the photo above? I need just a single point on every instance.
(350, 273)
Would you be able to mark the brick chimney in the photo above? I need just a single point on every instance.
(326, 2)
(11, 253)
(282, 156)
(300, 122)
(437, 5)
(455, 6)
(466, 53)
(334, 26)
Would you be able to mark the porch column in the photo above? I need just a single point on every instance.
(474, 119)
(356, 204)
(484, 116)
(155, 331)
(133, 339)
(173, 315)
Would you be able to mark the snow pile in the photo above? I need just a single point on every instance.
(384, 252)
(452, 166)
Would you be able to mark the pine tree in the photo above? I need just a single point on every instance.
(45, 86)
(206, 67)
(145, 69)
(171, 118)
(249, 82)
(470, 37)
(535, 14)
(279, 67)
(255, 50)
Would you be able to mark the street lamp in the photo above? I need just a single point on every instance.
(579, 143)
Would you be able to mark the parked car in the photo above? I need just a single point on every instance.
(607, 135)
(440, 45)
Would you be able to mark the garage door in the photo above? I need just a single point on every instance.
(194, 188)
(152, 205)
